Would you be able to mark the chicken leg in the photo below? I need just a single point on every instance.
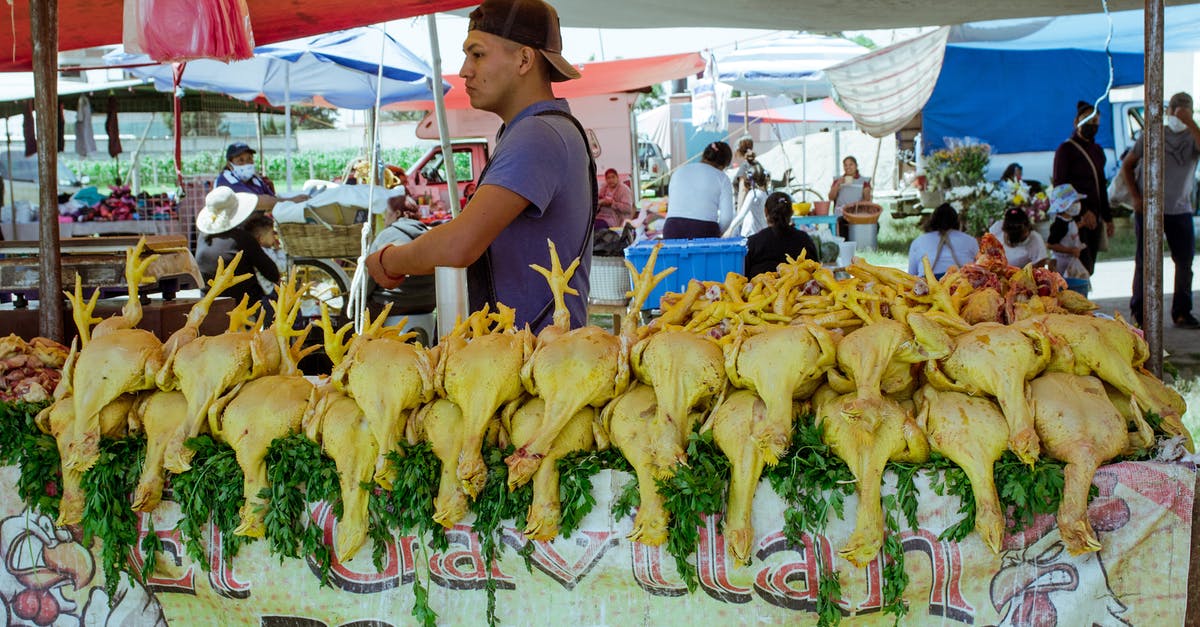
(441, 424)
(162, 416)
(337, 422)
(541, 522)
(58, 420)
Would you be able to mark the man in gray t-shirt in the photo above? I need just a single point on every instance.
(537, 185)
(1181, 149)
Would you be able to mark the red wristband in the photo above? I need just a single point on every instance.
(391, 277)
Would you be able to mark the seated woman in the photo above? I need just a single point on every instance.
(700, 196)
(943, 244)
(416, 293)
(225, 225)
(772, 246)
(1022, 244)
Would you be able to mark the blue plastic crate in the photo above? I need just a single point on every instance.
(707, 259)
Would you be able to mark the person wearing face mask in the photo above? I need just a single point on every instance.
(240, 175)
(1079, 162)
(1181, 152)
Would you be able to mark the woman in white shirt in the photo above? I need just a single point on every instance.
(943, 244)
(1022, 244)
(700, 197)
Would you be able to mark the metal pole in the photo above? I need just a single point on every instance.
(635, 174)
(450, 284)
(258, 133)
(287, 120)
(43, 19)
(1153, 188)
(12, 199)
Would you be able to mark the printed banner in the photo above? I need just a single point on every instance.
(1142, 516)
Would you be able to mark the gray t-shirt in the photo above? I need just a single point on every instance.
(416, 294)
(1179, 168)
(542, 158)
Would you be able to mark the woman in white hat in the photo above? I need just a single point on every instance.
(223, 233)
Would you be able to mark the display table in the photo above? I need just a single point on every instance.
(160, 317)
(1143, 517)
(29, 230)
(829, 222)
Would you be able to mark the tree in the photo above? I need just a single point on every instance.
(403, 116)
(648, 101)
(313, 117)
(194, 123)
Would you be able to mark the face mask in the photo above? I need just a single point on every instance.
(1088, 131)
(243, 172)
(1175, 124)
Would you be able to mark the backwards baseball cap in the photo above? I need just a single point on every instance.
(530, 23)
(237, 148)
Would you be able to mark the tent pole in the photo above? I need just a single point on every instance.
(287, 121)
(450, 284)
(43, 29)
(804, 155)
(1153, 188)
(258, 133)
(745, 111)
(12, 200)
(635, 176)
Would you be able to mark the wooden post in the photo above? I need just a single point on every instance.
(43, 28)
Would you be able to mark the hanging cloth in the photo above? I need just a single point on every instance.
(112, 128)
(85, 137)
(29, 130)
(62, 129)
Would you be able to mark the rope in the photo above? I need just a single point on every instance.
(358, 284)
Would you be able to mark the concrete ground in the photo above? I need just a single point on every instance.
(1111, 286)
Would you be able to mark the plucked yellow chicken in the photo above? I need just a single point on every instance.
(1111, 350)
(998, 360)
(866, 440)
(780, 363)
(971, 432)
(573, 369)
(1080, 426)
(1163, 396)
(209, 367)
(58, 420)
(687, 372)
(479, 369)
(161, 416)
(653, 447)
(117, 358)
(387, 376)
(441, 424)
(344, 433)
(878, 358)
(249, 419)
(523, 424)
(751, 437)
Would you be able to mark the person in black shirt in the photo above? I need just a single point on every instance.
(222, 224)
(771, 246)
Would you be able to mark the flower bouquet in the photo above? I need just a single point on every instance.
(962, 162)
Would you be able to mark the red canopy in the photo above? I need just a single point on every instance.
(599, 77)
(88, 23)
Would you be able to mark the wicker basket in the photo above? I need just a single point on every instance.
(609, 281)
(317, 240)
(862, 213)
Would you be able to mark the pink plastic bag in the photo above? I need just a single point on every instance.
(181, 30)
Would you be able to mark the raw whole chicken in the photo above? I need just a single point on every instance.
(1161, 396)
(687, 372)
(58, 420)
(479, 369)
(1080, 426)
(340, 426)
(118, 359)
(541, 522)
(653, 447)
(208, 367)
(388, 378)
(161, 416)
(779, 364)
(878, 358)
(866, 440)
(1111, 350)
(569, 370)
(998, 360)
(751, 437)
(441, 424)
(971, 432)
(249, 419)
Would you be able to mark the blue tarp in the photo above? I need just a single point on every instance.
(1014, 83)
(1020, 101)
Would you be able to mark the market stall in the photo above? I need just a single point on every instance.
(659, 473)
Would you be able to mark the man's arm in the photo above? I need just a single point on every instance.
(457, 243)
(1129, 171)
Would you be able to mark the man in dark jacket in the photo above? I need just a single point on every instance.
(1079, 162)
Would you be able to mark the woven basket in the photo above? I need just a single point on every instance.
(862, 213)
(316, 240)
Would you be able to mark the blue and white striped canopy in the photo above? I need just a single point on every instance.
(786, 65)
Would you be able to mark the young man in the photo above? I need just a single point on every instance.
(539, 184)
(1181, 141)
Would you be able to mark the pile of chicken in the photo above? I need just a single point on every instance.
(29, 371)
(986, 359)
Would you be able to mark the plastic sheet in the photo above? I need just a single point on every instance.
(181, 30)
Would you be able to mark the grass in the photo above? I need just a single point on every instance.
(1190, 389)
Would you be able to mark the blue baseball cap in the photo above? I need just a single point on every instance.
(236, 149)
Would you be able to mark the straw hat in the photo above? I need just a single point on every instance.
(224, 209)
